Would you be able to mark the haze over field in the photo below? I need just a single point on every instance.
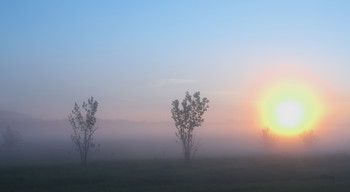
(136, 57)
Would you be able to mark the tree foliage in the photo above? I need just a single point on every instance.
(84, 128)
(187, 116)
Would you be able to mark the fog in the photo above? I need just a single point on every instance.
(135, 58)
(48, 141)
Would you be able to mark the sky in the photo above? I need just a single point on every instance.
(136, 57)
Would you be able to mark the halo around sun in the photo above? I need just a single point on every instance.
(289, 108)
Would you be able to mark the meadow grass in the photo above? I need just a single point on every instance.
(273, 173)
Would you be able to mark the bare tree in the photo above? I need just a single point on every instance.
(84, 128)
(267, 137)
(308, 138)
(10, 137)
(186, 119)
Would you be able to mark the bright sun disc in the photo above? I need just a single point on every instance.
(289, 108)
(289, 113)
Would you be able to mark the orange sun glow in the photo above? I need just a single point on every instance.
(289, 107)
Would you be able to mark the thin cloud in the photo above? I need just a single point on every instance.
(170, 82)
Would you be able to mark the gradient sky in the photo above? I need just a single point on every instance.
(135, 57)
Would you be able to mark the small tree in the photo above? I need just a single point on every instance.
(308, 138)
(186, 119)
(84, 128)
(10, 137)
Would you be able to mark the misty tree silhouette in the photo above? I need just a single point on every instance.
(267, 137)
(84, 128)
(308, 138)
(186, 119)
(10, 137)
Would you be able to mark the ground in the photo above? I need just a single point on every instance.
(263, 173)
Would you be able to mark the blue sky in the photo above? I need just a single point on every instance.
(135, 57)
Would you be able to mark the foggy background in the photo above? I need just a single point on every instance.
(136, 57)
(48, 141)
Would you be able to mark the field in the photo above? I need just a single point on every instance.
(266, 173)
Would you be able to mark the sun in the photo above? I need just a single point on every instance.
(289, 108)
(289, 113)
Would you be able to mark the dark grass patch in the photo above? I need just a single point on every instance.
(226, 174)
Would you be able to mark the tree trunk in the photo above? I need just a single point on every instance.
(83, 161)
(83, 158)
(187, 153)
(187, 157)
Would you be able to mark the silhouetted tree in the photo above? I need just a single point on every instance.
(267, 137)
(308, 138)
(188, 116)
(84, 128)
(10, 137)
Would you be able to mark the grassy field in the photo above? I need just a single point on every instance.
(282, 173)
